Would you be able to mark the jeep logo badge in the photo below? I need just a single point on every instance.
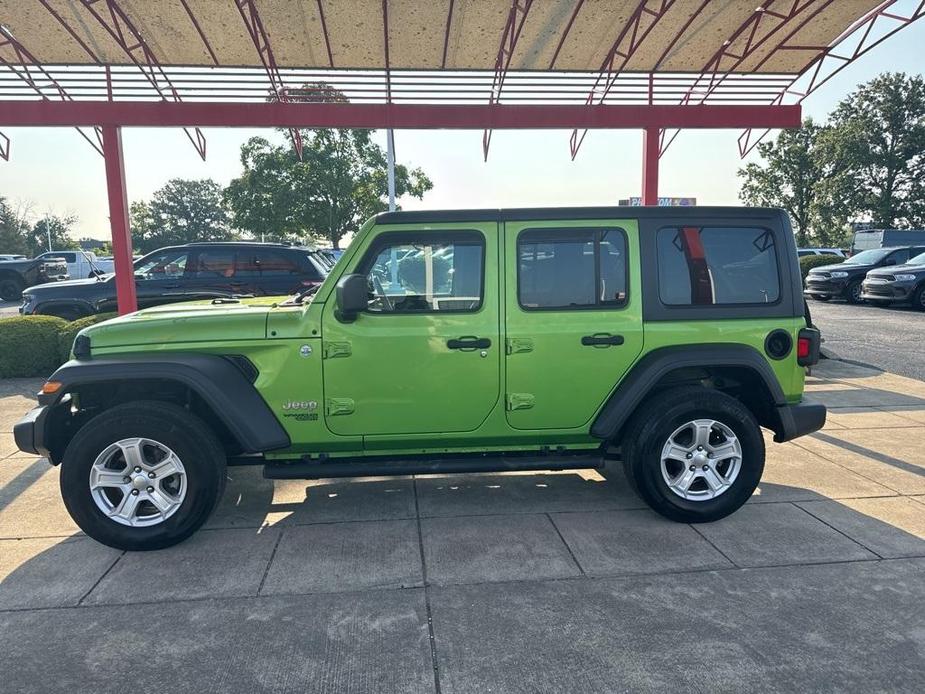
(310, 405)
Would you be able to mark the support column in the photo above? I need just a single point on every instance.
(650, 147)
(118, 219)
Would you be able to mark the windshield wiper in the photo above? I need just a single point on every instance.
(304, 294)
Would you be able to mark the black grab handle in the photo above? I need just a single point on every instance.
(469, 342)
(595, 340)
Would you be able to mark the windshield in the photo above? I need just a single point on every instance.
(916, 259)
(874, 255)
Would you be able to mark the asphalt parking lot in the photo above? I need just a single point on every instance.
(9, 308)
(891, 339)
(498, 582)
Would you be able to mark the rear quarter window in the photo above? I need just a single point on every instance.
(717, 266)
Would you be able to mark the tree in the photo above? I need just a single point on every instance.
(51, 230)
(793, 176)
(13, 229)
(182, 211)
(877, 144)
(340, 182)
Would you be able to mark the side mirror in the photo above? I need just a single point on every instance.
(352, 295)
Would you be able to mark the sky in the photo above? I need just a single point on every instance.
(53, 170)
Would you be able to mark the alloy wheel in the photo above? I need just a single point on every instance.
(701, 460)
(138, 482)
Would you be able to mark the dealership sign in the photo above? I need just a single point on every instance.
(662, 202)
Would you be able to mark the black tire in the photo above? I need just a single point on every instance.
(649, 430)
(918, 298)
(853, 293)
(821, 297)
(11, 289)
(184, 433)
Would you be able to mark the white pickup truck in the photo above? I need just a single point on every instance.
(81, 264)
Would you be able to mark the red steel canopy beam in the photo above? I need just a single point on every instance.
(378, 115)
(26, 63)
(715, 71)
(118, 219)
(123, 32)
(830, 62)
(618, 57)
(512, 30)
(261, 40)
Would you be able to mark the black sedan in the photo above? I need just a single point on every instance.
(900, 284)
(186, 273)
(843, 280)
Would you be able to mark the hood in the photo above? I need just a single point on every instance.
(188, 322)
(63, 284)
(894, 269)
(835, 266)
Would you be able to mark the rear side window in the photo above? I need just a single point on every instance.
(264, 263)
(215, 263)
(571, 268)
(711, 266)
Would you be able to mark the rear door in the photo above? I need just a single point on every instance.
(574, 319)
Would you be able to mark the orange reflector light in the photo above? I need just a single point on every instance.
(50, 387)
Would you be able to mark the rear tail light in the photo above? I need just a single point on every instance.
(808, 342)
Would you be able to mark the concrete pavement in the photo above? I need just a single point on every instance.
(498, 582)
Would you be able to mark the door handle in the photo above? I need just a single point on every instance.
(469, 342)
(601, 340)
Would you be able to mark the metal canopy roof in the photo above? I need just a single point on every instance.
(433, 34)
(433, 63)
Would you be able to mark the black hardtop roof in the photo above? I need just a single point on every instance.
(569, 213)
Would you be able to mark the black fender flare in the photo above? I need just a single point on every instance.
(221, 384)
(647, 372)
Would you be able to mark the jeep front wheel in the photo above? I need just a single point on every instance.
(142, 476)
(694, 455)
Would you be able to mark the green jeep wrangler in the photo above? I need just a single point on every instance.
(453, 341)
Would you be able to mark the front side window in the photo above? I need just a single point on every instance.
(428, 274)
(571, 268)
(159, 266)
(708, 266)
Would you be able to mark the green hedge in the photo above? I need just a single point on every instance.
(37, 345)
(29, 345)
(808, 262)
(69, 332)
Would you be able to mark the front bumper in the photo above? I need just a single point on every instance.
(887, 291)
(799, 420)
(29, 432)
(824, 287)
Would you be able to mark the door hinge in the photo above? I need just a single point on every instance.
(333, 350)
(336, 406)
(519, 344)
(520, 401)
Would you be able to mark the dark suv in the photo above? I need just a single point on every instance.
(843, 280)
(185, 273)
(899, 284)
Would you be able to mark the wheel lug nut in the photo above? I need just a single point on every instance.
(705, 468)
(699, 448)
(134, 492)
(693, 467)
(137, 469)
(690, 455)
(126, 479)
(151, 475)
(150, 489)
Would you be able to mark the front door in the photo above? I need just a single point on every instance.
(425, 356)
(574, 318)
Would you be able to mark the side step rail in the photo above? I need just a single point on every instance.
(376, 467)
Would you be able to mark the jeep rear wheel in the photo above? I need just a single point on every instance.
(142, 476)
(693, 454)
